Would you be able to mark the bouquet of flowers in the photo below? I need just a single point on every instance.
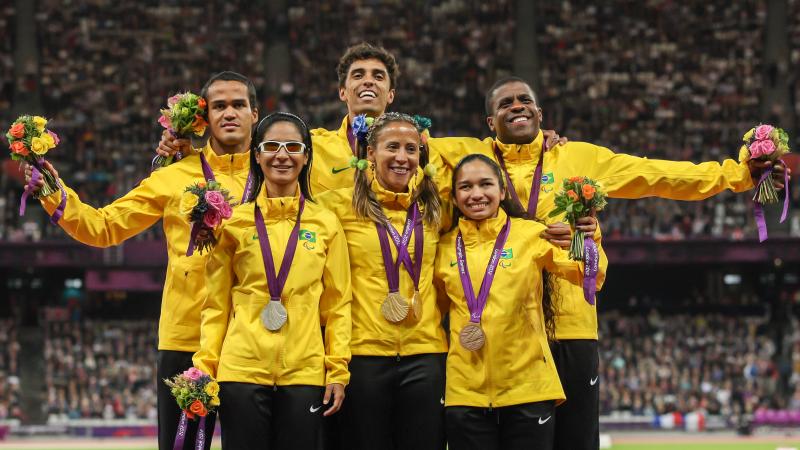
(766, 143)
(206, 205)
(579, 196)
(197, 395)
(29, 140)
(185, 118)
(195, 391)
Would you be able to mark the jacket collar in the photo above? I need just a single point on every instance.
(391, 199)
(474, 232)
(521, 153)
(342, 131)
(225, 163)
(278, 208)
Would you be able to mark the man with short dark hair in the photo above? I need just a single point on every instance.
(367, 78)
(515, 117)
(231, 100)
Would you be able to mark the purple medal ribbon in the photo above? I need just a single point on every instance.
(208, 174)
(36, 175)
(183, 426)
(351, 138)
(476, 305)
(413, 223)
(533, 199)
(758, 209)
(276, 283)
(591, 261)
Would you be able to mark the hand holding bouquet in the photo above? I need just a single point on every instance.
(206, 205)
(29, 141)
(197, 395)
(766, 143)
(185, 118)
(579, 198)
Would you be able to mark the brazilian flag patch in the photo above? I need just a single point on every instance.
(548, 178)
(507, 253)
(306, 235)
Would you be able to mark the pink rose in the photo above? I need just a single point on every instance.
(193, 373)
(226, 211)
(173, 100)
(215, 199)
(761, 148)
(763, 131)
(212, 218)
(164, 121)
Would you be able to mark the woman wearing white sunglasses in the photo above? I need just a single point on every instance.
(279, 271)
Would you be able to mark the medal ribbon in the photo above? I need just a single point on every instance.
(591, 261)
(183, 426)
(276, 283)
(758, 209)
(208, 174)
(533, 199)
(351, 138)
(36, 175)
(392, 268)
(476, 305)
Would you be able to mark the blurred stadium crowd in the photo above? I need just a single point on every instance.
(664, 80)
(721, 364)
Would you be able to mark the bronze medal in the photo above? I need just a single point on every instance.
(394, 307)
(472, 337)
(274, 315)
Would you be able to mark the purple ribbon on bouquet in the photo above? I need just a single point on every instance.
(758, 209)
(591, 262)
(208, 174)
(183, 427)
(36, 175)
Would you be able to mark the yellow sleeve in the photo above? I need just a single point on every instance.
(126, 217)
(626, 176)
(335, 307)
(216, 310)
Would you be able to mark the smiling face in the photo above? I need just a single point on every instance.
(517, 117)
(230, 114)
(281, 169)
(395, 155)
(477, 191)
(367, 88)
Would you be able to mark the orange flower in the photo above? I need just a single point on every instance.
(199, 122)
(189, 414)
(17, 130)
(576, 179)
(201, 184)
(571, 194)
(19, 148)
(197, 408)
(201, 103)
(588, 191)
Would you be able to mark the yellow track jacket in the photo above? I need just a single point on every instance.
(372, 333)
(158, 197)
(621, 175)
(234, 345)
(515, 365)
